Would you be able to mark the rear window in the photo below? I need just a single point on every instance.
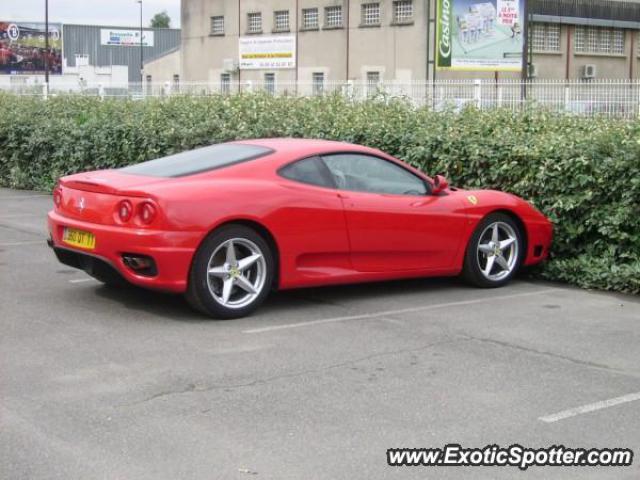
(310, 170)
(198, 161)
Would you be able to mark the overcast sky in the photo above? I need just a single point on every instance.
(93, 12)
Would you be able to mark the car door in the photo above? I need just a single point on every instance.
(394, 223)
(312, 229)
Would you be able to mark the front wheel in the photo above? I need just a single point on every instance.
(494, 252)
(232, 273)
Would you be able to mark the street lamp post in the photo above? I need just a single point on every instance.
(46, 44)
(141, 46)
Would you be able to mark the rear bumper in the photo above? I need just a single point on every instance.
(94, 266)
(172, 252)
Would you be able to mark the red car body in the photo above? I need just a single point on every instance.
(320, 235)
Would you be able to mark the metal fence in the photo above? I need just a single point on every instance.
(614, 98)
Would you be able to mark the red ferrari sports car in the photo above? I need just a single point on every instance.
(228, 223)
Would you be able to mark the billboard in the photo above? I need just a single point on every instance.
(126, 38)
(22, 48)
(267, 52)
(480, 35)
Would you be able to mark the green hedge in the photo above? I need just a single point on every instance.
(584, 173)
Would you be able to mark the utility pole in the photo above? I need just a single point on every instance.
(526, 45)
(46, 44)
(141, 45)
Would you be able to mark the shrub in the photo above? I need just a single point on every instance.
(584, 173)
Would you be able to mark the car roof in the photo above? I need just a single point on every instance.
(305, 146)
(289, 149)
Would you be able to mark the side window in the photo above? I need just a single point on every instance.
(310, 170)
(364, 173)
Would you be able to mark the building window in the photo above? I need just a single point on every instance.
(225, 83)
(599, 40)
(270, 83)
(373, 79)
(371, 14)
(309, 18)
(281, 21)
(333, 17)
(254, 21)
(317, 83)
(545, 37)
(618, 41)
(402, 11)
(217, 25)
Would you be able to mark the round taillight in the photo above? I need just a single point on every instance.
(147, 212)
(125, 210)
(57, 197)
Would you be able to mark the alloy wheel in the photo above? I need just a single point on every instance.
(236, 273)
(497, 252)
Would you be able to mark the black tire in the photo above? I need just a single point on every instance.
(474, 270)
(205, 291)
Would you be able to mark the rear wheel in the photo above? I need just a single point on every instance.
(494, 253)
(232, 273)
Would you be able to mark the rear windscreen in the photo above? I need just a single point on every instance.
(198, 161)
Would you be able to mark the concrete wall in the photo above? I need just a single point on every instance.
(323, 50)
(554, 65)
(74, 79)
(164, 68)
(398, 52)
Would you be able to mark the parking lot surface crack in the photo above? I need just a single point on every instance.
(194, 388)
(575, 361)
(20, 229)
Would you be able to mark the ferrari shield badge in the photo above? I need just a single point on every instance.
(473, 199)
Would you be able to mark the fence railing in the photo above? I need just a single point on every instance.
(615, 98)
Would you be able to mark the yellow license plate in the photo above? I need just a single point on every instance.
(79, 238)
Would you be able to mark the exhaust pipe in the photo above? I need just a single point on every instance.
(140, 264)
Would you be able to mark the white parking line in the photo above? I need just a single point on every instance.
(22, 197)
(82, 280)
(395, 312)
(19, 215)
(591, 407)
(18, 244)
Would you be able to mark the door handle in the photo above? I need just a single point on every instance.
(343, 196)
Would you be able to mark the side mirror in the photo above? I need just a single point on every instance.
(440, 184)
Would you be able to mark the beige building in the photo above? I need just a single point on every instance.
(164, 69)
(334, 40)
(391, 41)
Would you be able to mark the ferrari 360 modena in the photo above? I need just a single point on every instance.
(227, 224)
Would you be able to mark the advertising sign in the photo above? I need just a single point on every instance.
(480, 35)
(126, 38)
(267, 52)
(22, 48)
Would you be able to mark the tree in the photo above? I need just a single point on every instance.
(161, 20)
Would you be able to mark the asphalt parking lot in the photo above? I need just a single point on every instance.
(130, 384)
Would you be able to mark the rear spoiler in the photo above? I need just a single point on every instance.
(87, 186)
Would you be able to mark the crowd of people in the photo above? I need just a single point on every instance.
(16, 58)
